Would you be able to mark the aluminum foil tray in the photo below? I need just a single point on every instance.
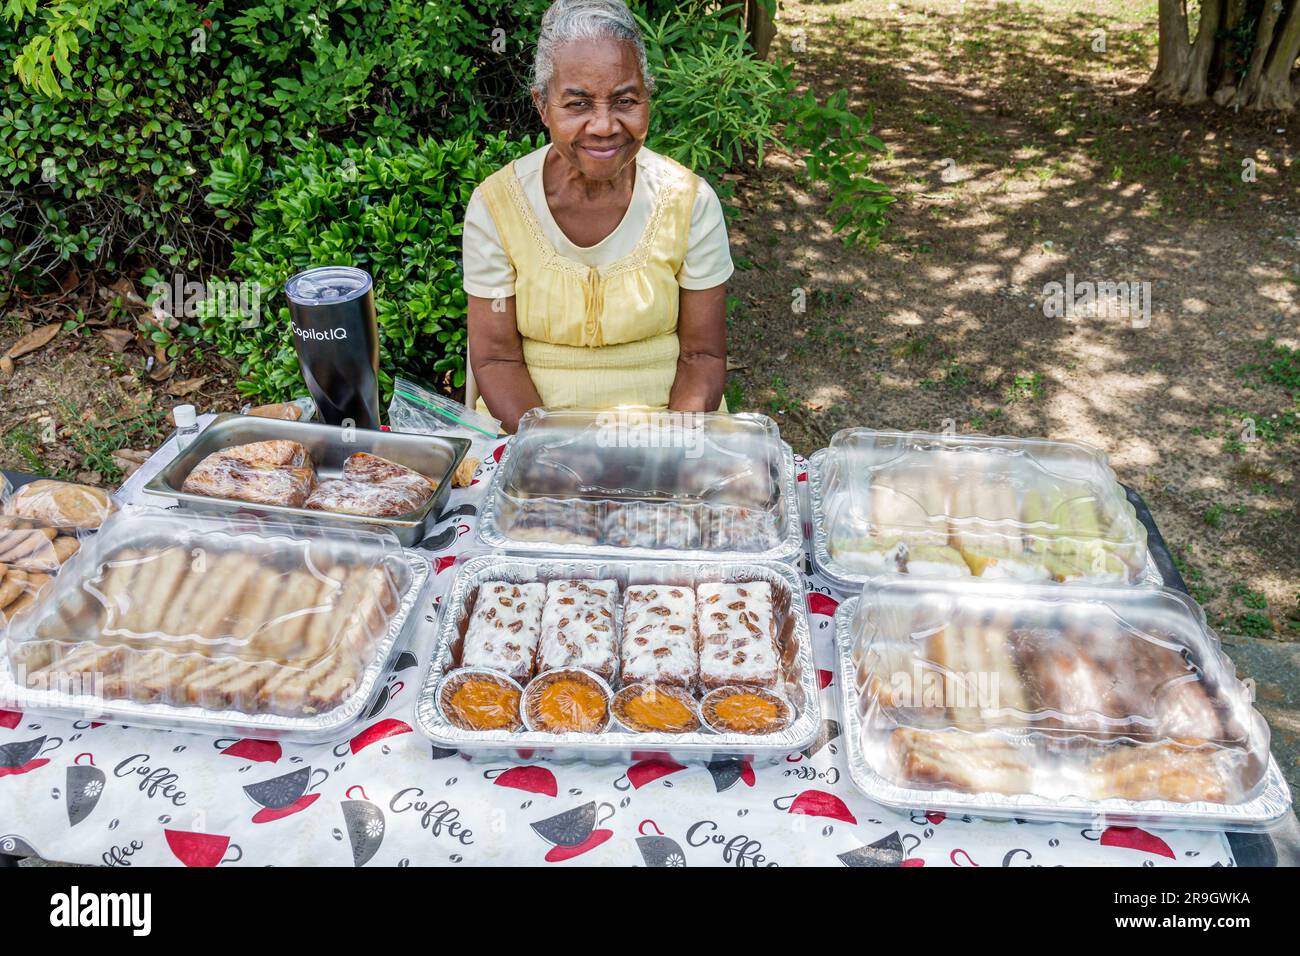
(139, 529)
(795, 644)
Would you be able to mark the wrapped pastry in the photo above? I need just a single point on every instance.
(374, 486)
(744, 709)
(951, 759)
(659, 635)
(656, 709)
(567, 700)
(476, 699)
(737, 629)
(732, 528)
(579, 627)
(266, 472)
(1166, 772)
(652, 525)
(505, 629)
(572, 522)
(61, 504)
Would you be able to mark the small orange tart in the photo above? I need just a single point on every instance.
(656, 709)
(567, 700)
(477, 699)
(745, 710)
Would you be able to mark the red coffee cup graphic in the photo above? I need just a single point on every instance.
(575, 831)
(647, 771)
(24, 756)
(286, 794)
(9, 719)
(388, 727)
(202, 849)
(247, 748)
(531, 779)
(816, 803)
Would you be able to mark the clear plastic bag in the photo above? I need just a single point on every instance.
(422, 411)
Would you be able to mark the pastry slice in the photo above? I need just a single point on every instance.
(954, 760)
(659, 635)
(579, 625)
(737, 628)
(505, 628)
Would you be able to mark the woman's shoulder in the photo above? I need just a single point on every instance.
(664, 171)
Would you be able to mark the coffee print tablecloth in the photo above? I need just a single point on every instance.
(108, 794)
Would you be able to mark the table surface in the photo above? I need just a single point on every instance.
(115, 795)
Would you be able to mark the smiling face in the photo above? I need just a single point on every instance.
(597, 108)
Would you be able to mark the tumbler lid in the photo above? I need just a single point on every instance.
(184, 415)
(327, 285)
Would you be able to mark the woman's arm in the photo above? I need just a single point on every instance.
(702, 361)
(497, 356)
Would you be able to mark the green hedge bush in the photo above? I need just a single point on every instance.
(252, 140)
(394, 210)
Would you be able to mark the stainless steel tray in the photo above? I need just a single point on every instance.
(434, 457)
(319, 728)
(695, 748)
(788, 549)
(1270, 804)
(848, 581)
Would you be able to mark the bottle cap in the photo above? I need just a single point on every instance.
(185, 416)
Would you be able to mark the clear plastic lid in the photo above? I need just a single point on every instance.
(645, 481)
(960, 506)
(211, 613)
(1092, 693)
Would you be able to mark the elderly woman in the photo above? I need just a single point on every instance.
(596, 269)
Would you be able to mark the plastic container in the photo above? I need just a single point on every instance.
(965, 506)
(1040, 702)
(639, 484)
(797, 683)
(216, 625)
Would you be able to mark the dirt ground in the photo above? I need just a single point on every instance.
(1019, 156)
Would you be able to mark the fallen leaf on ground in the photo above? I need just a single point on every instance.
(116, 339)
(162, 372)
(6, 368)
(185, 386)
(33, 340)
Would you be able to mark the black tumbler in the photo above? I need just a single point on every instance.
(334, 330)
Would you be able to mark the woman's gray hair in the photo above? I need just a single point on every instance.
(568, 20)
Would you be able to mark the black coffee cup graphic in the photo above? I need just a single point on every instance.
(23, 756)
(85, 785)
(364, 824)
(657, 849)
(286, 794)
(887, 851)
(574, 831)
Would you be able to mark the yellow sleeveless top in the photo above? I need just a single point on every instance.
(597, 337)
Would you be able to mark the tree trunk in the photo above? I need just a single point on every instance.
(1249, 85)
(761, 26)
(1196, 80)
(1174, 50)
(1275, 91)
(1187, 69)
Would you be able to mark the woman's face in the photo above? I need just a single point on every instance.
(597, 108)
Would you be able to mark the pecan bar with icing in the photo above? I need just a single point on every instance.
(737, 635)
(505, 628)
(578, 627)
(659, 637)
